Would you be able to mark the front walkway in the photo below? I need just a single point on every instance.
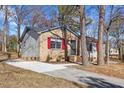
(72, 74)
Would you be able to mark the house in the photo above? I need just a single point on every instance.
(114, 52)
(117, 53)
(39, 45)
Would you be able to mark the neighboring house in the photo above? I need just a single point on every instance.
(114, 52)
(118, 53)
(38, 45)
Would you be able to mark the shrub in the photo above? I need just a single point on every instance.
(59, 58)
(48, 58)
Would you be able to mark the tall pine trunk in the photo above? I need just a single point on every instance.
(84, 52)
(100, 54)
(65, 38)
(66, 41)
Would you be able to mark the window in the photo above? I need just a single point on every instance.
(52, 44)
(56, 43)
(73, 47)
(89, 47)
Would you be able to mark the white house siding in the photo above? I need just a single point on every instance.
(30, 45)
(114, 51)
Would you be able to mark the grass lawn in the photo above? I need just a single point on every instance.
(114, 70)
(15, 77)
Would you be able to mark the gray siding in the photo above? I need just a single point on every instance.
(30, 45)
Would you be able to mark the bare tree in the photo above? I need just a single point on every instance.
(117, 33)
(100, 54)
(107, 33)
(19, 15)
(84, 52)
(5, 11)
(113, 16)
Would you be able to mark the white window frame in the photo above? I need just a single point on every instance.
(56, 40)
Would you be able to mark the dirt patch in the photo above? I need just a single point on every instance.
(15, 77)
(114, 70)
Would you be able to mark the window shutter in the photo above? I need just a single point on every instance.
(63, 43)
(49, 42)
(97, 46)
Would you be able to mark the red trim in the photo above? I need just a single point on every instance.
(49, 42)
(63, 43)
(97, 46)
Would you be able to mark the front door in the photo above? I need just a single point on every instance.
(73, 47)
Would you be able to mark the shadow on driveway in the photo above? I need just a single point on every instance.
(98, 83)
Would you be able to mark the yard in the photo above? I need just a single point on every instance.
(9, 55)
(15, 77)
(11, 76)
(114, 70)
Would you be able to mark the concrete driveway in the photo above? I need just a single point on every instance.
(62, 71)
(37, 66)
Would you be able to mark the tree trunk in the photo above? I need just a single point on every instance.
(66, 41)
(100, 55)
(5, 40)
(107, 48)
(78, 46)
(5, 29)
(18, 39)
(65, 38)
(3, 45)
(120, 53)
(84, 52)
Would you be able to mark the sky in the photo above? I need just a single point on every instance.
(91, 11)
(12, 25)
(1, 19)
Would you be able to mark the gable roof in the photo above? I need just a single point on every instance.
(24, 33)
(39, 31)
